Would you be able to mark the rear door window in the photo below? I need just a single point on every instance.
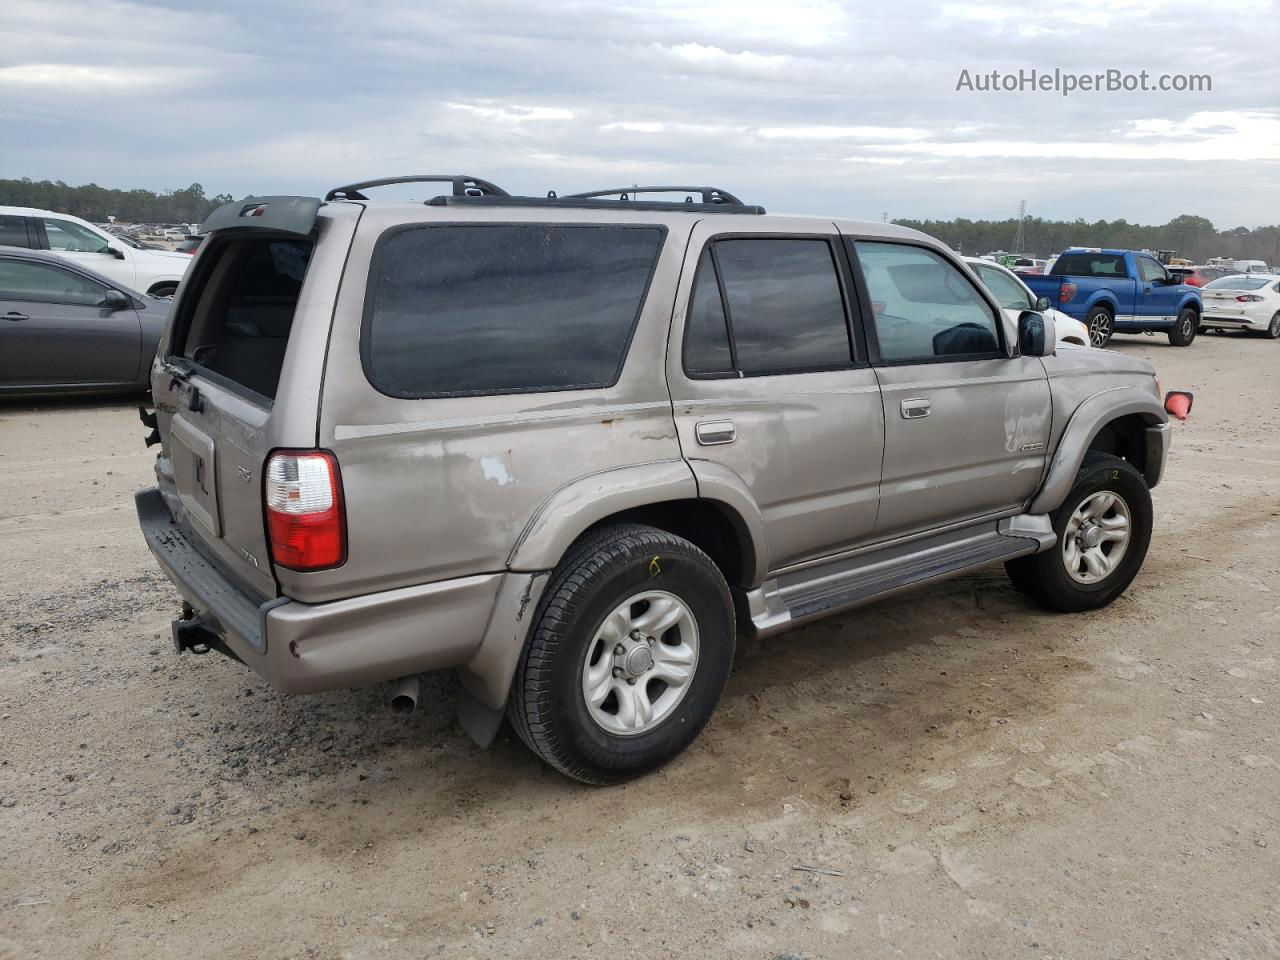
(513, 308)
(764, 305)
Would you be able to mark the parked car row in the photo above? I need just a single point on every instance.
(156, 272)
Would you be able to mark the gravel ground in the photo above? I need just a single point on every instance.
(949, 774)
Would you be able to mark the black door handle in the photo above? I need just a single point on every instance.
(14, 315)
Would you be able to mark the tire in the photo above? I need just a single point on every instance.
(623, 571)
(1047, 577)
(163, 291)
(1102, 326)
(1273, 329)
(1185, 328)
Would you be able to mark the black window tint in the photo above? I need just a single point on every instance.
(13, 231)
(1090, 265)
(785, 307)
(706, 346)
(501, 309)
(44, 283)
(924, 308)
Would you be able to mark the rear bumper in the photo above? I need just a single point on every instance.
(304, 647)
(1234, 321)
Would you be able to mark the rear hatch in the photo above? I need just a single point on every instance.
(240, 366)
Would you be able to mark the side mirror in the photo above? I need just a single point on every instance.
(1043, 304)
(1036, 334)
(114, 251)
(115, 300)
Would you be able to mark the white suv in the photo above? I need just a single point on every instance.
(156, 272)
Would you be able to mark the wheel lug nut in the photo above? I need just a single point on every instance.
(617, 671)
(632, 681)
(619, 650)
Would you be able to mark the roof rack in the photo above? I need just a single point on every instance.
(709, 194)
(464, 185)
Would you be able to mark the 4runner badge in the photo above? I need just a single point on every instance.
(245, 473)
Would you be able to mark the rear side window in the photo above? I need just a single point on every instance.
(782, 310)
(13, 231)
(476, 310)
(1090, 265)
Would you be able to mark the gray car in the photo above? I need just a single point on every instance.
(571, 447)
(66, 329)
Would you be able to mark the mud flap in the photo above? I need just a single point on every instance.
(480, 723)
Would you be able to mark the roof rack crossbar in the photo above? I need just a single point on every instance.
(709, 194)
(464, 185)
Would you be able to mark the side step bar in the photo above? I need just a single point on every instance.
(797, 596)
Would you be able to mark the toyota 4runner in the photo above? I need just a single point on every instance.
(572, 446)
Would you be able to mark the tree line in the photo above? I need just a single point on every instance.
(1189, 236)
(95, 204)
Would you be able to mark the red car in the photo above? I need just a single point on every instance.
(1199, 276)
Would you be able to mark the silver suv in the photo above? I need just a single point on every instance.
(571, 446)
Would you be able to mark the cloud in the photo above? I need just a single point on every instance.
(814, 106)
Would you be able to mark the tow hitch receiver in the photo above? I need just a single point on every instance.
(190, 632)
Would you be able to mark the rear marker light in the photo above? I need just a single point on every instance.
(303, 498)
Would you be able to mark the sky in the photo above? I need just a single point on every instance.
(805, 106)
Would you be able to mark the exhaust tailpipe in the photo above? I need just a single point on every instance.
(404, 695)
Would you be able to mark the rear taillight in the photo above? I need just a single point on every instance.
(303, 500)
(1249, 298)
(1067, 293)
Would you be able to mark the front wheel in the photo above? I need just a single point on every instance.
(1185, 328)
(1101, 326)
(628, 655)
(1103, 528)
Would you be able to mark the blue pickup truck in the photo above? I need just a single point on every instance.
(1120, 291)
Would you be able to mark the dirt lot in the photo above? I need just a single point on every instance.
(981, 779)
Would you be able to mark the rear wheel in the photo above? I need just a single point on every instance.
(628, 656)
(1103, 528)
(1101, 326)
(1185, 327)
(1273, 328)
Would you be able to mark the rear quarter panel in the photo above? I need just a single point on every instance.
(440, 488)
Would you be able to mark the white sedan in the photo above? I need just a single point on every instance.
(1015, 296)
(1243, 302)
(157, 272)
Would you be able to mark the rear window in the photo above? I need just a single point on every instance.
(1090, 265)
(1237, 283)
(239, 310)
(474, 310)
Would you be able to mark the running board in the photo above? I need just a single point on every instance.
(799, 595)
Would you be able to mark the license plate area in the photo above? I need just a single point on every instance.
(195, 472)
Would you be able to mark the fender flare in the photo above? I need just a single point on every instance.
(721, 484)
(1086, 422)
(557, 523)
(1191, 300)
(570, 510)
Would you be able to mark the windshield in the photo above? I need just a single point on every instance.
(1237, 283)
